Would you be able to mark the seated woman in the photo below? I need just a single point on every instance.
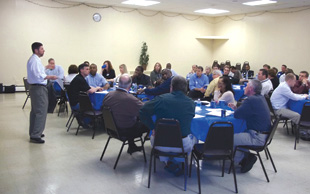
(107, 70)
(209, 73)
(156, 73)
(122, 70)
(226, 92)
(72, 72)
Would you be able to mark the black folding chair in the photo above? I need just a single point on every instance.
(264, 147)
(73, 114)
(273, 114)
(219, 145)
(168, 134)
(113, 132)
(304, 121)
(87, 110)
(26, 84)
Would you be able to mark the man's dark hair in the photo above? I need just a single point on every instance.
(200, 67)
(266, 65)
(284, 66)
(272, 73)
(233, 67)
(36, 45)
(73, 69)
(275, 69)
(82, 66)
(50, 59)
(141, 68)
(179, 83)
(305, 72)
(264, 72)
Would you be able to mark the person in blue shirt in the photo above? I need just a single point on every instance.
(283, 70)
(198, 84)
(96, 80)
(57, 70)
(162, 88)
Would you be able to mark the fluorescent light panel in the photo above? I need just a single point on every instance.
(262, 2)
(140, 2)
(211, 11)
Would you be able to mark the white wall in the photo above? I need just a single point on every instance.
(70, 37)
(272, 38)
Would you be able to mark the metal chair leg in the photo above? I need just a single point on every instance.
(198, 175)
(25, 102)
(94, 127)
(71, 123)
(185, 171)
(105, 147)
(77, 130)
(119, 155)
(190, 165)
(142, 144)
(69, 119)
(261, 162)
(150, 170)
(274, 167)
(234, 173)
(223, 168)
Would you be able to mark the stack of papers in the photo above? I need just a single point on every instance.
(218, 112)
(103, 92)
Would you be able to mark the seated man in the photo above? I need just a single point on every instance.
(283, 70)
(262, 76)
(162, 88)
(246, 72)
(52, 69)
(168, 66)
(95, 79)
(79, 84)
(254, 110)
(198, 84)
(125, 109)
(213, 86)
(192, 72)
(236, 72)
(282, 94)
(302, 86)
(139, 78)
(175, 105)
(233, 80)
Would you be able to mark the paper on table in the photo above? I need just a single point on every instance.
(218, 112)
(103, 92)
(198, 116)
(236, 87)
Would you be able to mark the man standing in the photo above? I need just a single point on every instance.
(125, 109)
(38, 93)
(162, 88)
(282, 94)
(52, 69)
(79, 84)
(254, 110)
(140, 78)
(168, 66)
(302, 86)
(198, 84)
(262, 76)
(175, 105)
(95, 79)
(213, 86)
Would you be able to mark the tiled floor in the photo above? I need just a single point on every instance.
(70, 164)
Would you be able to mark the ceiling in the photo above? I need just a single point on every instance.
(189, 6)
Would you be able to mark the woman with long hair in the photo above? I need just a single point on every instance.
(226, 92)
(122, 70)
(107, 70)
(156, 73)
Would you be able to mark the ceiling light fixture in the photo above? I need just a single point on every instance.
(211, 11)
(261, 2)
(140, 2)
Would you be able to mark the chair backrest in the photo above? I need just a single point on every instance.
(168, 133)
(273, 130)
(220, 137)
(305, 113)
(26, 84)
(267, 97)
(109, 122)
(85, 103)
(238, 66)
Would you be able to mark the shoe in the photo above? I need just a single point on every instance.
(249, 163)
(36, 140)
(42, 135)
(132, 149)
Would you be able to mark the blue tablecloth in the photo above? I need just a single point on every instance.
(296, 105)
(239, 92)
(97, 98)
(200, 125)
